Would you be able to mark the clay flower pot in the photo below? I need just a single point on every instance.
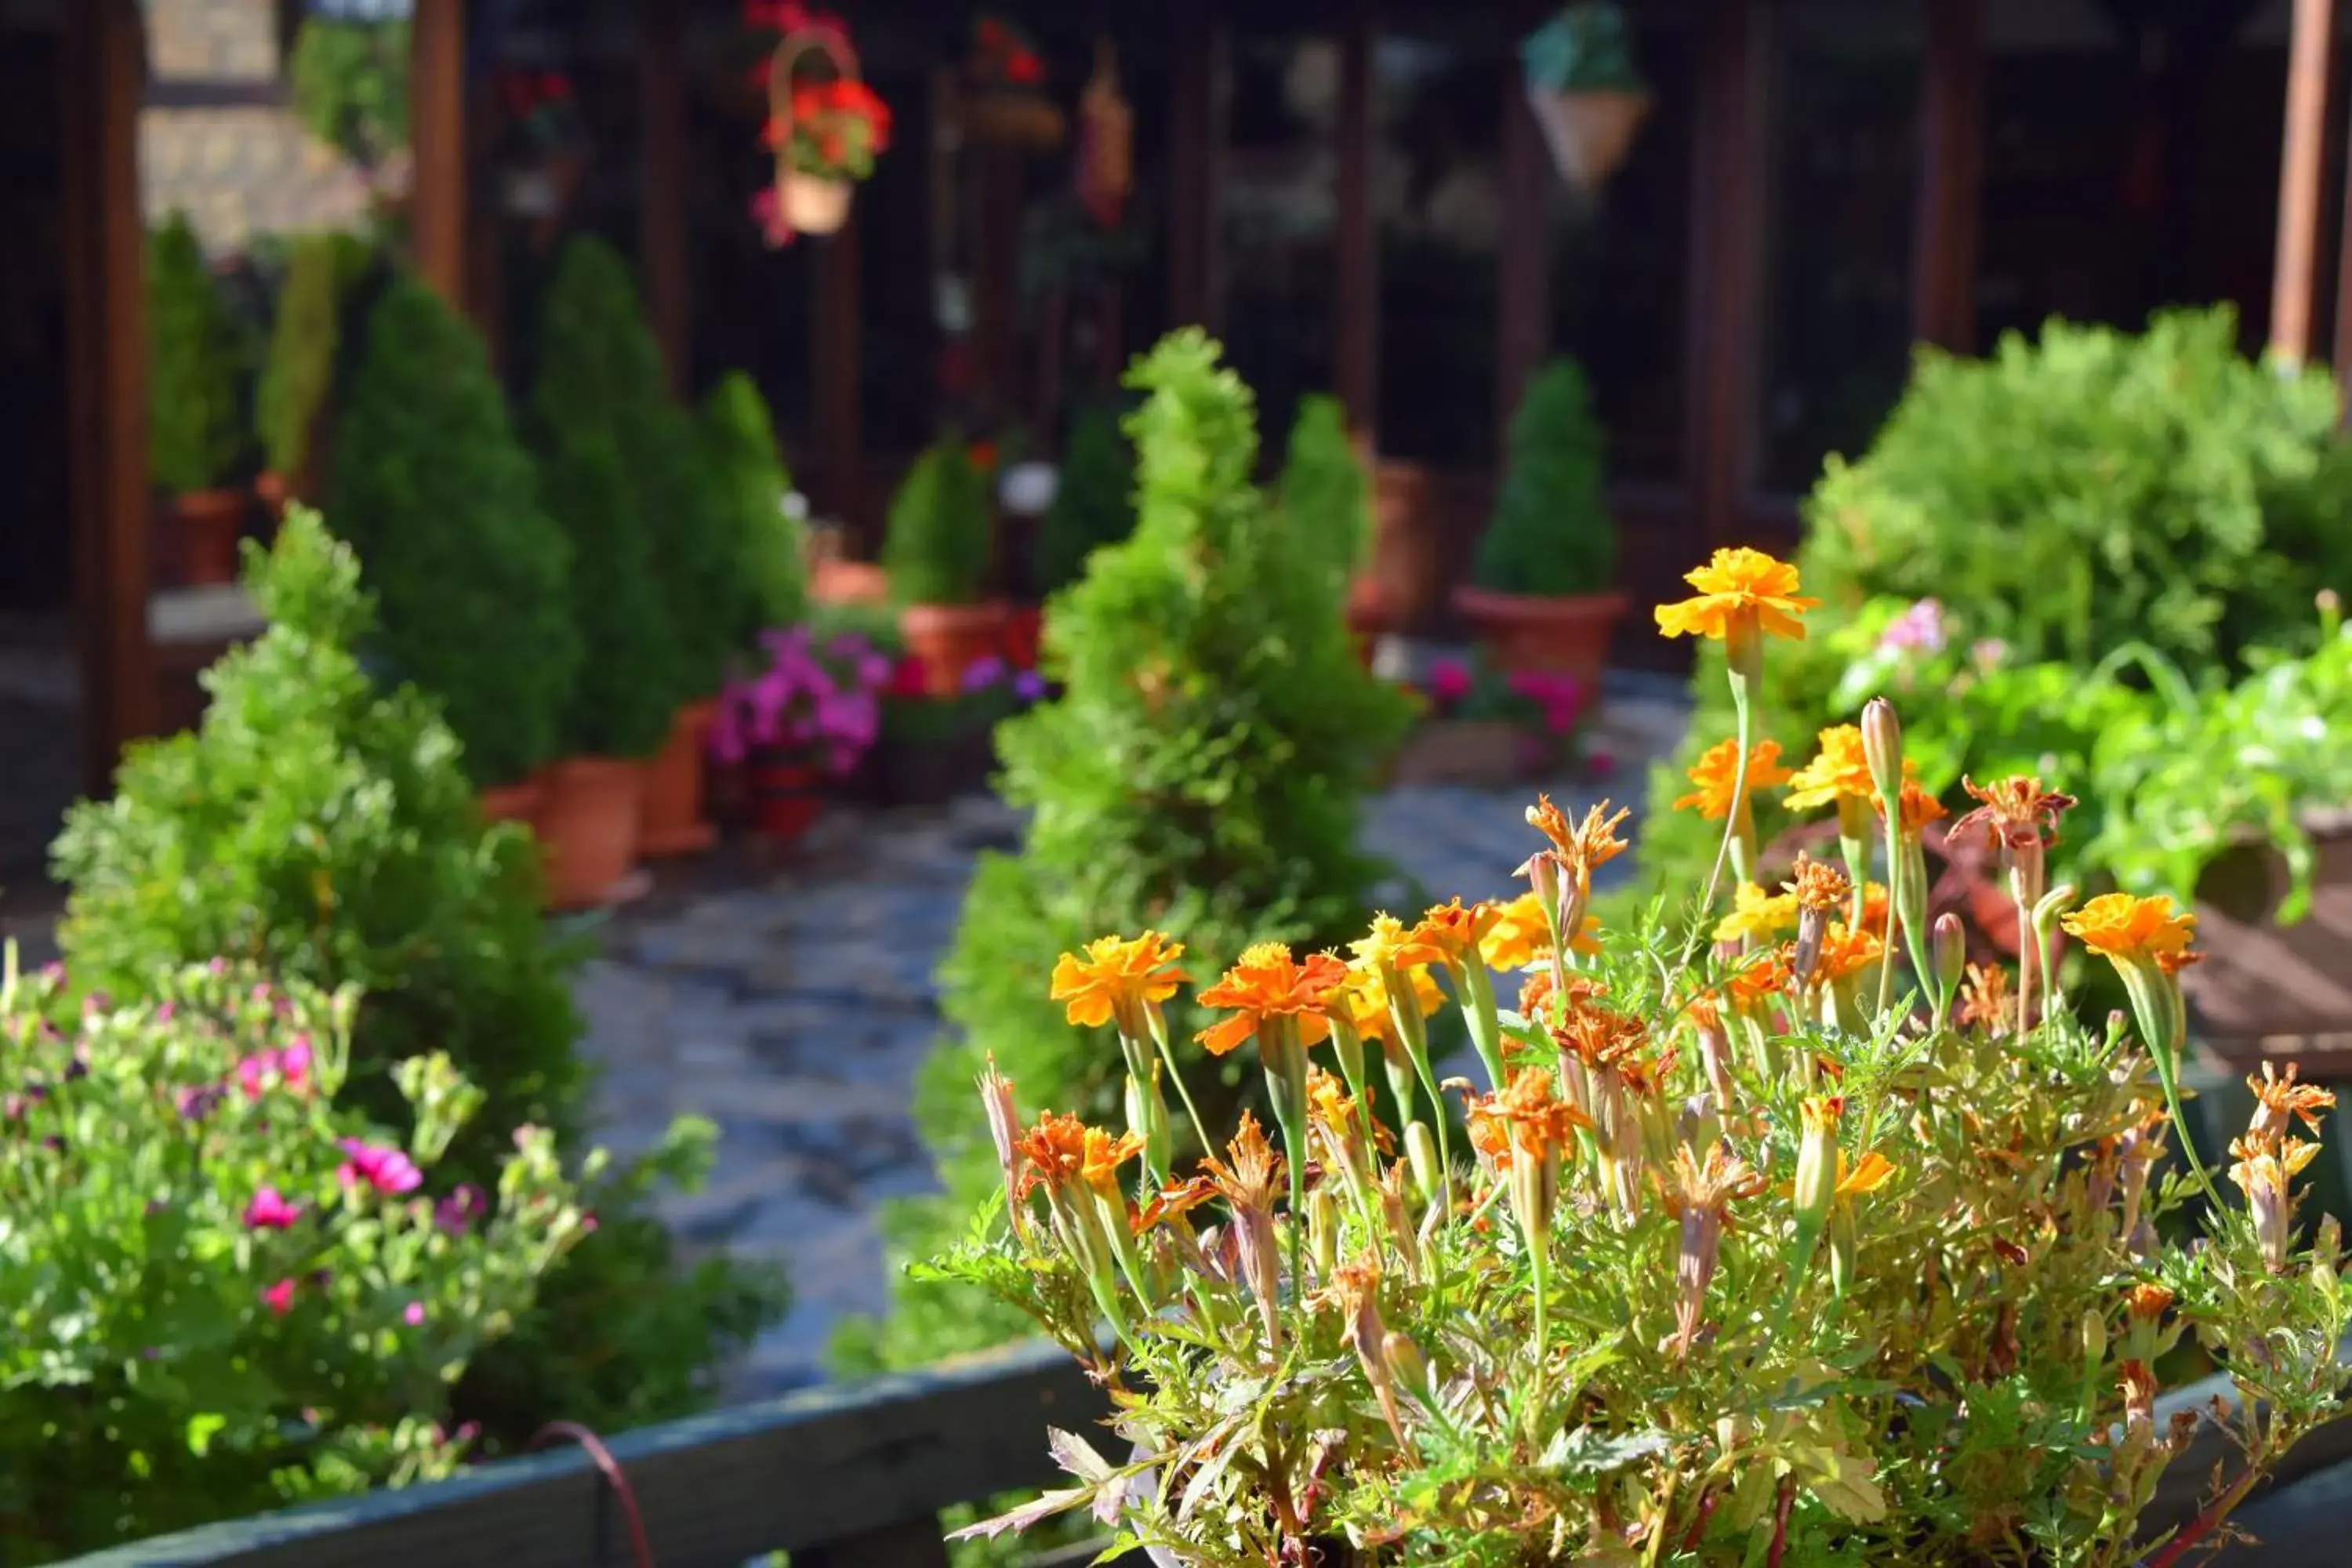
(1024, 626)
(273, 490)
(813, 205)
(205, 527)
(589, 824)
(784, 795)
(1589, 133)
(516, 801)
(1523, 631)
(672, 821)
(949, 639)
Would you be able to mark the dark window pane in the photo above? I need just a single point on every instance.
(1276, 249)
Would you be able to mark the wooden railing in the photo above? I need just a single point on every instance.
(845, 1476)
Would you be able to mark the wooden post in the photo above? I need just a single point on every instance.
(105, 376)
(1198, 82)
(436, 116)
(1951, 110)
(661, 191)
(2343, 301)
(2299, 167)
(1726, 236)
(839, 440)
(1356, 286)
(1523, 286)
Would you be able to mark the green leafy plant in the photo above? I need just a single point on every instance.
(616, 463)
(233, 1293)
(939, 540)
(1585, 47)
(322, 826)
(349, 79)
(437, 493)
(1551, 535)
(196, 433)
(304, 340)
(738, 443)
(1206, 758)
(1093, 498)
(1324, 488)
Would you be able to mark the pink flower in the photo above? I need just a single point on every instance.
(270, 1211)
(1920, 628)
(388, 1170)
(1449, 680)
(413, 1314)
(454, 1213)
(280, 1296)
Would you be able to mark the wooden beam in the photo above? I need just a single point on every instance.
(840, 441)
(437, 118)
(2299, 170)
(1727, 224)
(2343, 358)
(1523, 283)
(662, 186)
(1951, 143)
(1356, 284)
(1199, 83)
(106, 377)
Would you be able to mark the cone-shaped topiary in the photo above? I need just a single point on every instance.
(1205, 762)
(616, 467)
(1324, 488)
(437, 493)
(937, 547)
(1094, 501)
(303, 340)
(1550, 536)
(749, 484)
(195, 434)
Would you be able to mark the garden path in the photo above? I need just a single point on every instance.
(791, 1006)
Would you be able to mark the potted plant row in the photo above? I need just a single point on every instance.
(936, 554)
(799, 724)
(196, 431)
(1484, 726)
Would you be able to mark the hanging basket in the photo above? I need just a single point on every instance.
(1018, 117)
(1589, 133)
(809, 203)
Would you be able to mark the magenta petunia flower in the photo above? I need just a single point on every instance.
(454, 1213)
(280, 1296)
(412, 1314)
(270, 1211)
(388, 1170)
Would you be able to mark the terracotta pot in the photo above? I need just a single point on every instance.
(516, 801)
(949, 639)
(673, 821)
(811, 205)
(1524, 631)
(784, 795)
(589, 823)
(849, 583)
(205, 528)
(1589, 133)
(1024, 626)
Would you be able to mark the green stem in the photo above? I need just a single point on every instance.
(1744, 710)
(1486, 1024)
(1159, 1023)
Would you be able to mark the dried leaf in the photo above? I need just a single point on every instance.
(1027, 1514)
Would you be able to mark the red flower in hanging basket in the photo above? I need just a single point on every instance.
(1025, 67)
(836, 128)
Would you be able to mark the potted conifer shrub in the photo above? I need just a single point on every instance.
(1328, 498)
(300, 372)
(936, 556)
(195, 435)
(437, 495)
(592, 426)
(1093, 506)
(1540, 594)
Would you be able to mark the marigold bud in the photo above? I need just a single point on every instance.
(1817, 1160)
(1951, 950)
(1881, 746)
(1420, 1151)
(1406, 1363)
(2094, 1337)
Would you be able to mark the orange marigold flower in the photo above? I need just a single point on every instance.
(2131, 930)
(1738, 588)
(2146, 1300)
(1846, 952)
(1600, 1036)
(2279, 1100)
(1839, 771)
(1756, 915)
(1818, 885)
(1521, 938)
(1267, 983)
(1117, 977)
(1062, 1150)
(1537, 1119)
(1396, 945)
(1755, 983)
(1985, 998)
(1873, 905)
(1920, 808)
(2017, 813)
(1455, 931)
(1717, 775)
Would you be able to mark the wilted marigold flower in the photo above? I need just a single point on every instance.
(1839, 771)
(1818, 885)
(2146, 1300)
(1267, 983)
(1600, 1036)
(1583, 847)
(1716, 774)
(1116, 978)
(2265, 1171)
(2280, 1101)
(1985, 998)
(1756, 915)
(2133, 930)
(2016, 813)
(1739, 590)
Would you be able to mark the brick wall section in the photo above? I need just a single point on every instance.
(212, 40)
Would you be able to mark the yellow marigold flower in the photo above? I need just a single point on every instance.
(1818, 885)
(1717, 775)
(1846, 952)
(2131, 930)
(1117, 977)
(1867, 1176)
(2279, 1100)
(1873, 905)
(1738, 588)
(1397, 945)
(1756, 915)
(1838, 770)
(1520, 937)
(1920, 808)
(1267, 983)
(1365, 998)
(1457, 932)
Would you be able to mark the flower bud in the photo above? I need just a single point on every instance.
(1951, 950)
(1323, 1230)
(1428, 1171)
(2094, 1337)
(1817, 1159)
(1881, 746)
(1405, 1361)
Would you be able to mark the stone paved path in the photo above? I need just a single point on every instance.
(792, 1005)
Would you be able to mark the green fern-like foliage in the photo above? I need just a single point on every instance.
(303, 340)
(434, 491)
(738, 442)
(1201, 774)
(1324, 488)
(1550, 536)
(618, 470)
(1094, 503)
(349, 81)
(938, 543)
(195, 432)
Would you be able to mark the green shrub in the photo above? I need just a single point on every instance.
(303, 340)
(1324, 488)
(1094, 501)
(434, 489)
(1551, 536)
(195, 434)
(1205, 759)
(349, 81)
(738, 444)
(227, 1292)
(323, 827)
(616, 469)
(938, 540)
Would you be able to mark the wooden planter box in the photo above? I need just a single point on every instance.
(1478, 751)
(2270, 991)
